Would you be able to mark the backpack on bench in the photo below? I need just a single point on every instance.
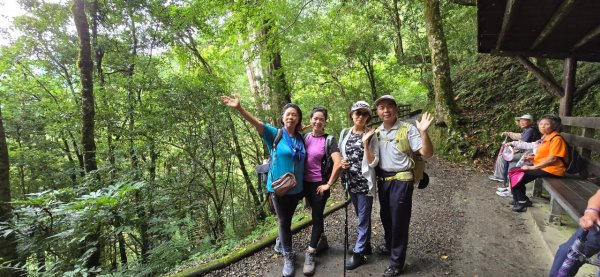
(574, 162)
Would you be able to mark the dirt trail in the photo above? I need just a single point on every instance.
(459, 227)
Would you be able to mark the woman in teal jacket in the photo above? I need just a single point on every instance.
(288, 156)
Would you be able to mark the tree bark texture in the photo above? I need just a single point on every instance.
(440, 65)
(86, 67)
(398, 45)
(8, 245)
(256, 79)
(278, 89)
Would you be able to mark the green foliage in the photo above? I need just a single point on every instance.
(59, 221)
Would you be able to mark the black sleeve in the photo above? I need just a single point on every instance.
(334, 146)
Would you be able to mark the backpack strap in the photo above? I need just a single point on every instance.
(567, 159)
(276, 141)
(328, 142)
(278, 137)
(402, 139)
(344, 133)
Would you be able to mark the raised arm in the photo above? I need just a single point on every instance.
(523, 145)
(426, 147)
(235, 103)
(369, 151)
(511, 135)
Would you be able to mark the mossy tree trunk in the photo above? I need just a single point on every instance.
(8, 244)
(440, 64)
(86, 67)
(278, 90)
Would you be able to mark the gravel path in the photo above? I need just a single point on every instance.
(459, 227)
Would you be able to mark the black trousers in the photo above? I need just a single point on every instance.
(519, 189)
(395, 198)
(317, 207)
(285, 207)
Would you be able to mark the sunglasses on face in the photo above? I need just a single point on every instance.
(362, 113)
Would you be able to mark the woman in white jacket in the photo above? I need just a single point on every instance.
(360, 152)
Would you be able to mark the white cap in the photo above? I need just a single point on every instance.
(361, 105)
(525, 116)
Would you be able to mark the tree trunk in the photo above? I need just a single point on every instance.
(398, 45)
(8, 245)
(440, 65)
(131, 96)
(77, 154)
(258, 86)
(279, 93)
(86, 67)
(21, 166)
(71, 160)
(40, 257)
(368, 67)
(260, 214)
(120, 240)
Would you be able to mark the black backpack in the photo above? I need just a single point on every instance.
(574, 162)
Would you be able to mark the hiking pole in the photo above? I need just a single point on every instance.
(345, 221)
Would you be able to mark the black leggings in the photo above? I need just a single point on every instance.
(530, 175)
(285, 207)
(317, 206)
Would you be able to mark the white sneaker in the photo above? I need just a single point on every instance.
(504, 193)
(495, 178)
(502, 189)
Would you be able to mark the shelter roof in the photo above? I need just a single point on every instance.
(540, 28)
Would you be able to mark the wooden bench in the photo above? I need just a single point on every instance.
(570, 194)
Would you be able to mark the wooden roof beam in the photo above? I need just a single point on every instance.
(557, 17)
(587, 85)
(506, 22)
(587, 38)
(550, 85)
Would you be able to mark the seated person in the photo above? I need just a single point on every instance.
(550, 151)
(591, 247)
(530, 134)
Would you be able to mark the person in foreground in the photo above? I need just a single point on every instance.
(288, 155)
(547, 162)
(359, 149)
(323, 166)
(590, 218)
(395, 178)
